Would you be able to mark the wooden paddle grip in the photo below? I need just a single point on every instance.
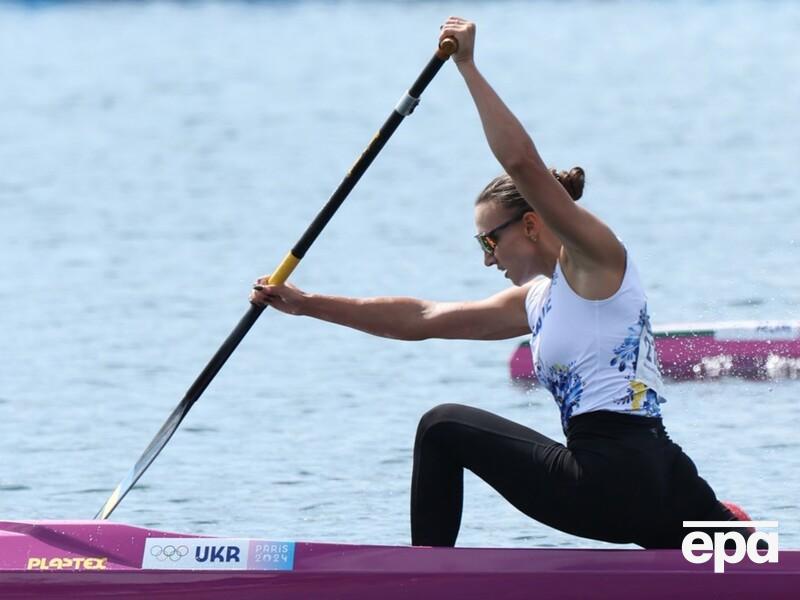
(447, 47)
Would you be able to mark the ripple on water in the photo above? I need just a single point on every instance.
(779, 446)
(202, 522)
(91, 491)
(99, 383)
(316, 506)
(749, 302)
(200, 429)
(13, 487)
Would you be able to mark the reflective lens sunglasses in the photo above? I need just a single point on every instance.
(488, 239)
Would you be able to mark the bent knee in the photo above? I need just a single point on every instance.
(440, 415)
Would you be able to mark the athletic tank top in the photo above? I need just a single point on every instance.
(594, 354)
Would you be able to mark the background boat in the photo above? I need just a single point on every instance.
(749, 349)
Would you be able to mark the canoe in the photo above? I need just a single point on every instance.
(100, 559)
(749, 349)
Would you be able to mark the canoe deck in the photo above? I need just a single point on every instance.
(99, 559)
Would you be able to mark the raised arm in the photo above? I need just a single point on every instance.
(498, 317)
(588, 244)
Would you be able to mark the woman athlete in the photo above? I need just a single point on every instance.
(619, 478)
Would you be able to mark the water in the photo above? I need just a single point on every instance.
(155, 158)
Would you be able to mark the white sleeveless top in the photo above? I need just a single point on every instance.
(594, 354)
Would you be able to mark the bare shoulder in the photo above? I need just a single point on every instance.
(517, 294)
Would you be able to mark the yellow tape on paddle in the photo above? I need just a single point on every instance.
(281, 274)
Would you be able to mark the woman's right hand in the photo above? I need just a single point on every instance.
(285, 297)
(464, 33)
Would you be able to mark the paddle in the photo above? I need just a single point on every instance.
(404, 108)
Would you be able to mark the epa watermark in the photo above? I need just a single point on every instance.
(699, 547)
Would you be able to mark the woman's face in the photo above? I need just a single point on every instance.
(508, 241)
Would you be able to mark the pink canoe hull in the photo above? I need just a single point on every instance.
(331, 571)
(747, 349)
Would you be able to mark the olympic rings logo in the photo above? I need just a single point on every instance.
(173, 553)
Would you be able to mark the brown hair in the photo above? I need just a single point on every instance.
(503, 191)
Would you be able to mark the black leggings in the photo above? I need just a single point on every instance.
(619, 478)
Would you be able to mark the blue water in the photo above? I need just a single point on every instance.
(155, 158)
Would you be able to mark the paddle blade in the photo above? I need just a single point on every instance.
(148, 456)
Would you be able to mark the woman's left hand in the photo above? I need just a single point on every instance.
(464, 33)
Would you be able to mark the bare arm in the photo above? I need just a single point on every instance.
(588, 243)
(498, 317)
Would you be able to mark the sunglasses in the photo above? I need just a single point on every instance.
(488, 239)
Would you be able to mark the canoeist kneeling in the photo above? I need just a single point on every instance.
(619, 478)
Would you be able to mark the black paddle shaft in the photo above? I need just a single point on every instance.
(365, 160)
(404, 108)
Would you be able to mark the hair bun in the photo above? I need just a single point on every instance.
(572, 180)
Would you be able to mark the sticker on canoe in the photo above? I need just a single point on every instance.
(70, 563)
(217, 554)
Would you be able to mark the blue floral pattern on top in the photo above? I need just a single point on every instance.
(651, 404)
(566, 385)
(640, 397)
(627, 353)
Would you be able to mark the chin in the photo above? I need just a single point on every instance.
(522, 281)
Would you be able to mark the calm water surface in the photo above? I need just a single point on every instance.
(155, 158)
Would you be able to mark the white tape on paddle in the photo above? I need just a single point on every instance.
(406, 104)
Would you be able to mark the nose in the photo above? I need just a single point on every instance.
(489, 260)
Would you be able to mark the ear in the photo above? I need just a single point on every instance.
(532, 224)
